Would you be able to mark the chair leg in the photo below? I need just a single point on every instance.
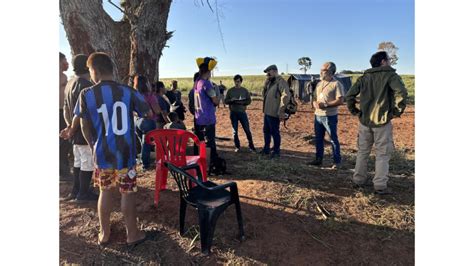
(204, 230)
(203, 171)
(164, 177)
(207, 224)
(182, 216)
(213, 216)
(240, 221)
(157, 186)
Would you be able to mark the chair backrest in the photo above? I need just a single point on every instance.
(183, 179)
(171, 144)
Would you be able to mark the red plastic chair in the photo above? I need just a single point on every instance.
(170, 146)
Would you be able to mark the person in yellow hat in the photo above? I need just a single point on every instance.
(205, 102)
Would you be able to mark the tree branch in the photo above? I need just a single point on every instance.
(219, 26)
(112, 3)
(210, 5)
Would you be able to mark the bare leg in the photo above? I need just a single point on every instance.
(129, 211)
(104, 207)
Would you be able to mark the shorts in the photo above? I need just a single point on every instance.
(83, 158)
(108, 178)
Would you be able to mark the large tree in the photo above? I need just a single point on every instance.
(305, 63)
(135, 43)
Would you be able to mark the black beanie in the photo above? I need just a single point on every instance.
(79, 64)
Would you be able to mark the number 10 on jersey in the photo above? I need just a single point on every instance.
(117, 107)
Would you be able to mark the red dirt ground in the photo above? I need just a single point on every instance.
(279, 198)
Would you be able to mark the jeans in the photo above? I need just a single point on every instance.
(271, 128)
(235, 117)
(329, 124)
(144, 126)
(209, 131)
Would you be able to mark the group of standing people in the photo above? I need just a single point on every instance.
(101, 117)
(103, 114)
(377, 97)
(205, 96)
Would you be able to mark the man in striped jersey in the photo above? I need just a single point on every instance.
(106, 117)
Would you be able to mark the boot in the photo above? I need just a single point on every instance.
(85, 194)
(75, 186)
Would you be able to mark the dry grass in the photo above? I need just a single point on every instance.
(254, 83)
(294, 214)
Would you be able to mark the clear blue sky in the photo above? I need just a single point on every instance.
(262, 32)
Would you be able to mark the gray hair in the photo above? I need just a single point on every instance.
(331, 67)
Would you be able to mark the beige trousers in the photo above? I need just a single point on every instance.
(382, 137)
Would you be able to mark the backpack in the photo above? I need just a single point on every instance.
(292, 106)
(217, 166)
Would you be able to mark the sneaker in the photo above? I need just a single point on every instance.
(237, 150)
(253, 150)
(316, 162)
(385, 191)
(336, 166)
(91, 196)
(263, 153)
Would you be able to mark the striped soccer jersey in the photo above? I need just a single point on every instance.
(109, 107)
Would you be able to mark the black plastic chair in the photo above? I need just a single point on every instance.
(208, 198)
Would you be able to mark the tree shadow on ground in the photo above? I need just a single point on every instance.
(292, 169)
(79, 226)
(279, 233)
(77, 250)
(276, 234)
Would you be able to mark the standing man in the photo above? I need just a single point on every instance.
(106, 117)
(222, 90)
(310, 87)
(205, 102)
(382, 97)
(329, 94)
(238, 98)
(64, 145)
(174, 96)
(276, 95)
(83, 163)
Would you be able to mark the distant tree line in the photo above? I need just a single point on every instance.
(350, 72)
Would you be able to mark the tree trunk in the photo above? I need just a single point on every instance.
(148, 36)
(134, 44)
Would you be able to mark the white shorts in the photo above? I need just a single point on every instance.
(83, 157)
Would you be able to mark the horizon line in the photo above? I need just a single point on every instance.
(181, 77)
